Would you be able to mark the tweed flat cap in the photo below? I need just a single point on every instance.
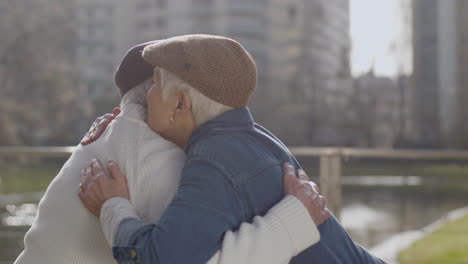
(219, 67)
(133, 69)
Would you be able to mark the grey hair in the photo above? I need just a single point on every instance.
(204, 109)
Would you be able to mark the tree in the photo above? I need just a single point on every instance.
(38, 102)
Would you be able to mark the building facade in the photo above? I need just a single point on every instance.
(301, 48)
(440, 71)
(309, 81)
(382, 107)
(105, 30)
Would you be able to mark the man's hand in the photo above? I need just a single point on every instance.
(96, 186)
(305, 191)
(99, 126)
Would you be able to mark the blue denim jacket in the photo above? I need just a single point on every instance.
(232, 173)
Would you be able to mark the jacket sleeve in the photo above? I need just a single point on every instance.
(192, 227)
(285, 231)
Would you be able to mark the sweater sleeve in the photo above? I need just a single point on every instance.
(113, 212)
(285, 231)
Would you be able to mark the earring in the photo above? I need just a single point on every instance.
(171, 120)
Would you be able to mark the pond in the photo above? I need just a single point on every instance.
(373, 213)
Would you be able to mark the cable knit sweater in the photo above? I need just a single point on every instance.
(65, 232)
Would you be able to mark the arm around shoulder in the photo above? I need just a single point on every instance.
(285, 231)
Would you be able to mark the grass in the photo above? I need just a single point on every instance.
(26, 179)
(449, 244)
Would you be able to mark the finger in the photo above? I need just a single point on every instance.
(88, 136)
(86, 178)
(100, 128)
(314, 186)
(302, 175)
(82, 196)
(322, 201)
(83, 177)
(115, 172)
(315, 199)
(97, 128)
(98, 170)
(288, 169)
(107, 118)
(84, 140)
(116, 111)
(325, 201)
(94, 124)
(326, 213)
(290, 179)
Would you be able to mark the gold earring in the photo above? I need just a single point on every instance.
(171, 120)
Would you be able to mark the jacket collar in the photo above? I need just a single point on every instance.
(236, 119)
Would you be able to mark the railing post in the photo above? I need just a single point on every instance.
(330, 181)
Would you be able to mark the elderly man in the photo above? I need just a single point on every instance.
(232, 173)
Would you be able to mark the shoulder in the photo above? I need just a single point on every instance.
(217, 146)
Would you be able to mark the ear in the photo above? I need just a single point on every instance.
(184, 103)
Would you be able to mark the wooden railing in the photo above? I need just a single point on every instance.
(330, 162)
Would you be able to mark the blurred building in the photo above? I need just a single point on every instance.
(301, 48)
(382, 111)
(105, 31)
(325, 82)
(309, 72)
(440, 71)
(242, 20)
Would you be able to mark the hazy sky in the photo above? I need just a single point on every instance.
(379, 38)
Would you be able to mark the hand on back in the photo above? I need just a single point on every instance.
(305, 191)
(99, 126)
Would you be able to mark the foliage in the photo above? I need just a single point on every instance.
(39, 103)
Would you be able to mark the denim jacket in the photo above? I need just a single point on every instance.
(232, 173)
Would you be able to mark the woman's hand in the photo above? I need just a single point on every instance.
(305, 191)
(99, 126)
(97, 186)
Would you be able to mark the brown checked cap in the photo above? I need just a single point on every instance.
(219, 67)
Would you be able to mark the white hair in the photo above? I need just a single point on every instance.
(203, 108)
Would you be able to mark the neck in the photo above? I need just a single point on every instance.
(182, 141)
(182, 138)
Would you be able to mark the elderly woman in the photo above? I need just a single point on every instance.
(232, 172)
(65, 232)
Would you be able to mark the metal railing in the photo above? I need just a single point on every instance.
(330, 162)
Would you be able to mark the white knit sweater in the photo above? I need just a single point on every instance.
(65, 232)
